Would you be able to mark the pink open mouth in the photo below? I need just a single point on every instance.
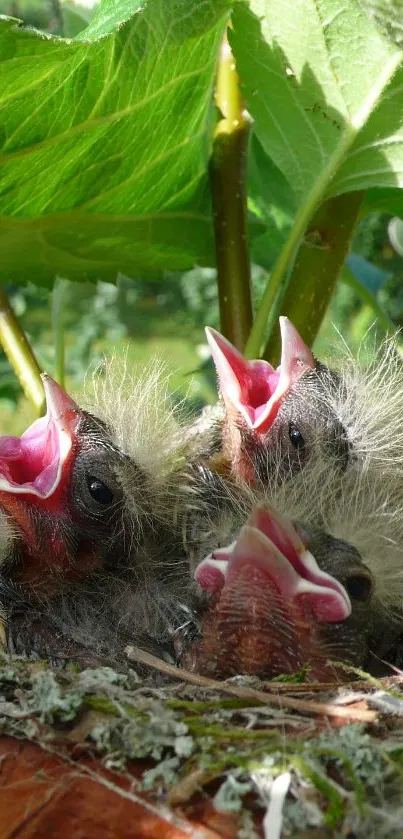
(273, 547)
(255, 388)
(33, 463)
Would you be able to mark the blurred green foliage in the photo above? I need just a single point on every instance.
(149, 318)
(347, 314)
(66, 18)
(143, 318)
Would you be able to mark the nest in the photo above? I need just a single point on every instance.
(98, 753)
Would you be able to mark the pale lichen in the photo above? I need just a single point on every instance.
(50, 702)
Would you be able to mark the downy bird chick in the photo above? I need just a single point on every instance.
(268, 426)
(271, 423)
(85, 543)
(272, 419)
(286, 598)
(363, 502)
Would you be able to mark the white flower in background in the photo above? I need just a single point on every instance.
(395, 231)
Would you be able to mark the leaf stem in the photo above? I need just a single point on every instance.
(275, 284)
(20, 354)
(319, 261)
(228, 187)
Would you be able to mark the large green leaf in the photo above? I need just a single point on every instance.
(272, 200)
(325, 88)
(104, 142)
(388, 15)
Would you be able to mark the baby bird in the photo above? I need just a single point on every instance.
(286, 598)
(271, 419)
(272, 423)
(85, 515)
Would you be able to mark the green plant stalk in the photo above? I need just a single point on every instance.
(108, 706)
(20, 354)
(338, 755)
(58, 328)
(228, 187)
(320, 259)
(195, 706)
(195, 726)
(336, 803)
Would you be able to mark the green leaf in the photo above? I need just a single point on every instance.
(388, 15)
(269, 190)
(315, 84)
(104, 142)
(273, 201)
(323, 86)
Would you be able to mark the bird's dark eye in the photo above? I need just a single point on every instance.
(295, 436)
(99, 491)
(359, 587)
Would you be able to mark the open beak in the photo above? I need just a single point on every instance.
(270, 550)
(34, 463)
(255, 388)
(271, 606)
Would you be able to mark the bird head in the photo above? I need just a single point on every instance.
(61, 499)
(284, 598)
(275, 417)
